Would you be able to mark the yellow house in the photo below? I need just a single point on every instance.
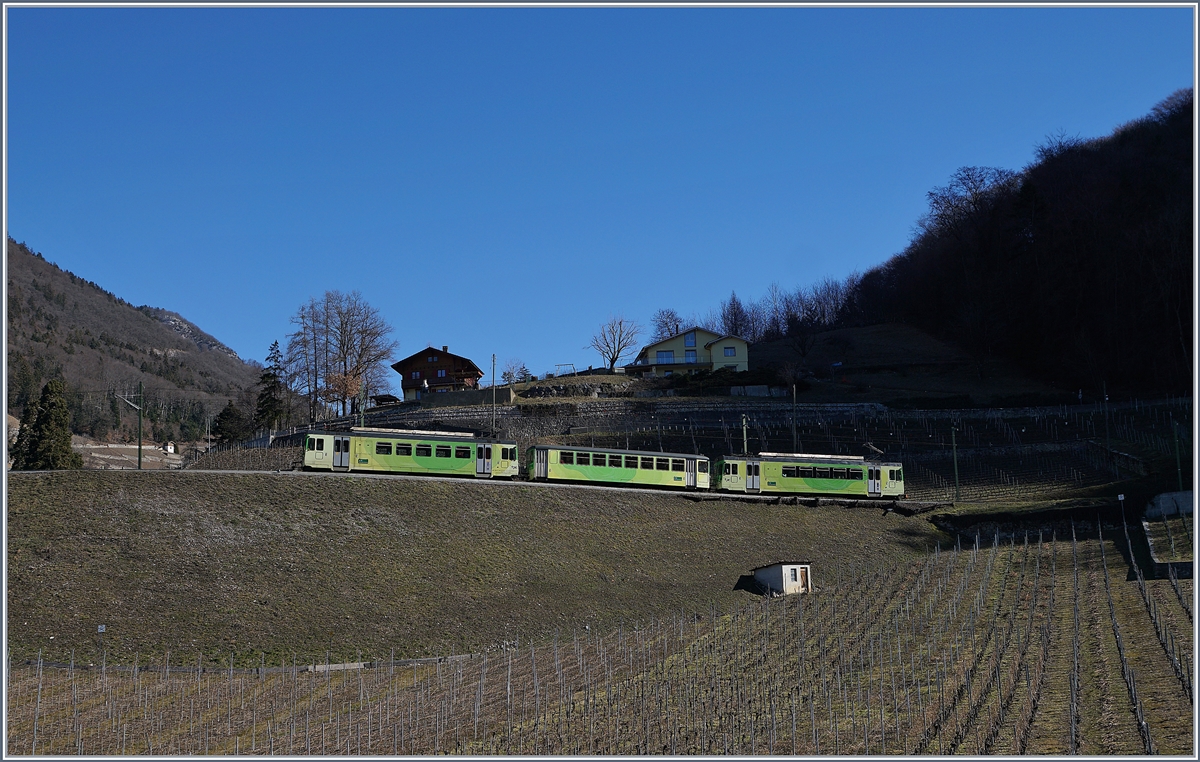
(689, 351)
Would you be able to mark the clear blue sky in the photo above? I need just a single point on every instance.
(504, 180)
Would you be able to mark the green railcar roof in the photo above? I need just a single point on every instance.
(832, 460)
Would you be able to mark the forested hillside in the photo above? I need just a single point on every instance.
(62, 325)
(1078, 268)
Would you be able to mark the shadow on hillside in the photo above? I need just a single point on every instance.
(748, 583)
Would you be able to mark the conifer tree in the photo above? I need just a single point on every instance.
(269, 410)
(44, 442)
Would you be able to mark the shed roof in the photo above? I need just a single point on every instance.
(782, 563)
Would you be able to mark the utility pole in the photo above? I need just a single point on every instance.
(138, 408)
(794, 418)
(1178, 467)
(954, 452)
(745, 420)
(493, 394)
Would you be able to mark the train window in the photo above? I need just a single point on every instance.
(424, 450)
(599, 460)
(583, 459)
(566, 458)
(337, 445)
(702, 466)
(789, 472)
(442, 451)
(614, 461)
(648, 464)
(856, 474)
(320, 444)
(804, 473)
(676, 464)
(312, 443)
(462, 452)
(735, 465)
(383, 448)
(822, 473)
(631, 461)
(403, 448)
(662, 464)
(509, 453)
(726, 469)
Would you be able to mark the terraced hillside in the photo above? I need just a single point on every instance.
(1032, 644)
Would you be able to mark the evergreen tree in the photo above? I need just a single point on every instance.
(269, 410)
(44, 442)
(231, 424)
(23, 447)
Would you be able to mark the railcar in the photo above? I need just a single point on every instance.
(393, 451)
(808, 474)
(632, 468)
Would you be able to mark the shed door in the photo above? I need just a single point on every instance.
(690, 466)
(341, 452)
(873, 486)
(751, 475)
(540, 458)
(483, 459)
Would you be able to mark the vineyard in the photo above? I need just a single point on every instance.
(1033, 643)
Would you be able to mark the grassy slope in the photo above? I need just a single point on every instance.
(209, 563)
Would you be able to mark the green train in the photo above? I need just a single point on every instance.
(631, 468)
(391, 451)
(806, 474)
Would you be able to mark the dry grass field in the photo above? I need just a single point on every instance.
(204, 565)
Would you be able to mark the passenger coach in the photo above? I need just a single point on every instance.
(634, 468)
(391, 451)
(806, 474)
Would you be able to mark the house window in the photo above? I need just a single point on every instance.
(383, 448)
(731, 367)
(689, 355)
(731, 351)
(689, 339)
(431, 359)
(441, 373)
(443, 451)
(793, 574)
(424, 450)
(416, 374)
(666, 357)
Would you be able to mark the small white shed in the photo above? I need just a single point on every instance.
(785, 577)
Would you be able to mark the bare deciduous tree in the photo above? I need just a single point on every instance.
(666, 323)
(615, 339)
(338, 351)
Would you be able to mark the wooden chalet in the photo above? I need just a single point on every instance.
(432, 370)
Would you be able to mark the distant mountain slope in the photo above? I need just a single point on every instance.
(58, 322)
